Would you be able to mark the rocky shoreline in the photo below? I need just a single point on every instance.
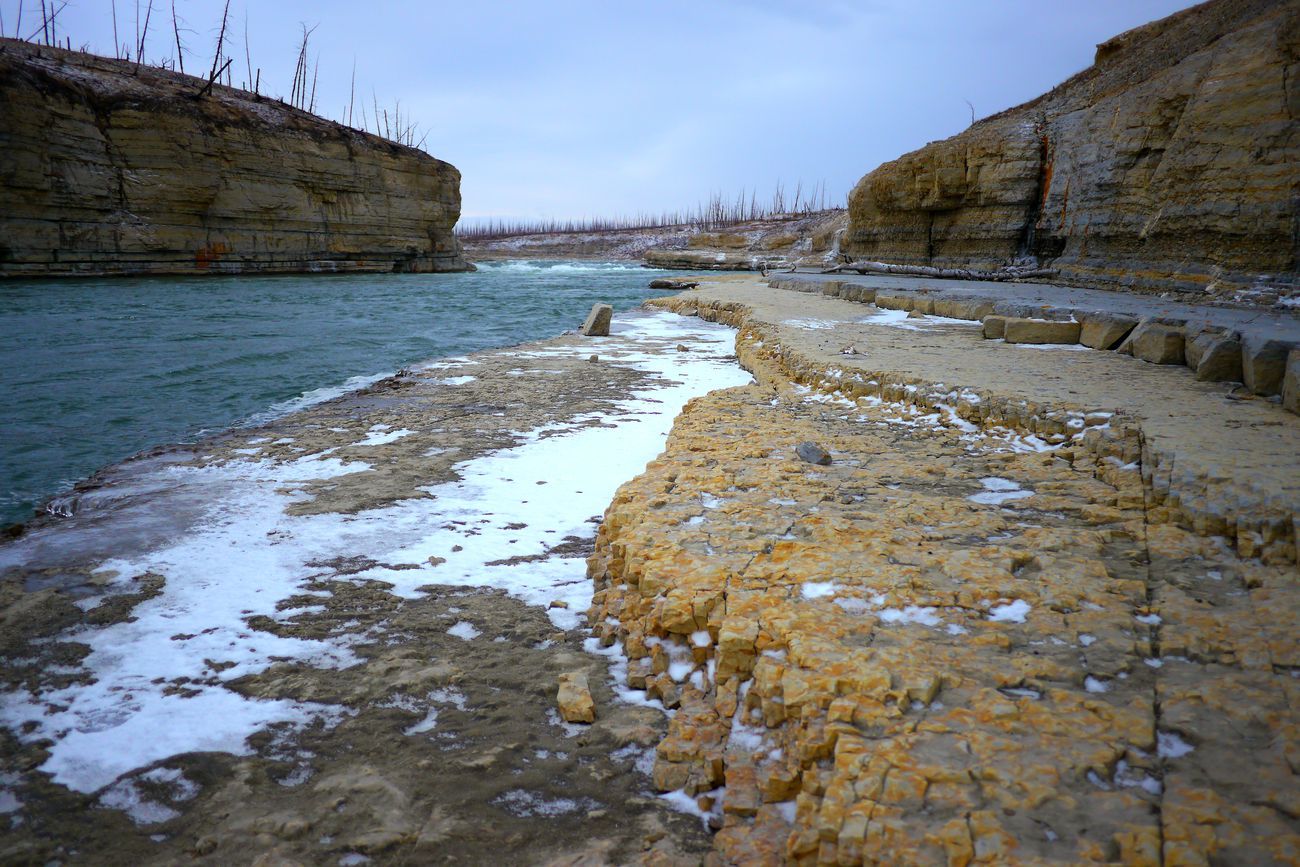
(381, 593)
(910, 595)
(990, 628)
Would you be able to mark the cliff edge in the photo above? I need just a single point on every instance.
(1170, 164)
(110, 168)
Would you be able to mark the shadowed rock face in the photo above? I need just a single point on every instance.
(110, 169)
(1169, 164)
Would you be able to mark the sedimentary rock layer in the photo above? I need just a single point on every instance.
(106, 167)
(1171, 163)
(954, 644)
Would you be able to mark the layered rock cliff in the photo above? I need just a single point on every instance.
(1172, 163)
(109, 168)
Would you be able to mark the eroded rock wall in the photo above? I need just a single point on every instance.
(1172, 163)
(108, 168)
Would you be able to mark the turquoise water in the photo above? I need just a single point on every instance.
(97, 370)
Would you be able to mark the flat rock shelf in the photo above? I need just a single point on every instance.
(997, 627)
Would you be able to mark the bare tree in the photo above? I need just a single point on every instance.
(315, 72)
(221, 39)
(144, 34)
(298, 96)
(352, 96)
(248, 57)
(176, 30)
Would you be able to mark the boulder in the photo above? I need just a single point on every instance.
(1105, 330)
(1291, 382)
(995, 327)
(812, 453)
(574, 698)
(1041, 331)
(1263, 364)
(597, 324)
(973, 309)
(1156, 341)
(1215, 355)
(894, 300)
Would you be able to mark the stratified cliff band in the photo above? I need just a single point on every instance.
(1171, 163)
(111, 168)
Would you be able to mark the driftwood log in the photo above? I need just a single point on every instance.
(1009, 272)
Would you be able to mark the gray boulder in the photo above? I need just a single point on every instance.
(597, 324)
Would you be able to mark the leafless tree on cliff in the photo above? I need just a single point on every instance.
(143, 35)
(972, 111)
(298, 96)
(221, 41)
(352, 96)
(311, 105)
(248, 57)
(176, 31)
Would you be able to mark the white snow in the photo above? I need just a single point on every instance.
(1095, 684)
(380, 435)
(817, 589)
(1171, 746)
(463, 629)
(923, 615)
(1011, 612)
(524, 803)
(998, 491)
(811, 324)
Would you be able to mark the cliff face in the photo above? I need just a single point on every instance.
(106, 169)
(1172, 163)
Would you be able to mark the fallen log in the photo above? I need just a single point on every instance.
(1010, 272)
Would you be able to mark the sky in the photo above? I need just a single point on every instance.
(569, 109)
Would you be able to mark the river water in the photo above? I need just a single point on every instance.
(97, 370)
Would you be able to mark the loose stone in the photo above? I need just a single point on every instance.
(812, 453)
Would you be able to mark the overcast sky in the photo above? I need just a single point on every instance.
(568, 108)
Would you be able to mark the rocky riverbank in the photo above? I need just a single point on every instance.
(911, 594)
(339, 636)
(923, 597)
(109, 167)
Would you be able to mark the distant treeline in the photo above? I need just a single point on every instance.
(719, 212)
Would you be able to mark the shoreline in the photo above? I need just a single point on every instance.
(379, 632)
(1006, 597)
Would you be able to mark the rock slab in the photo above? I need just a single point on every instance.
(574, 698)
(597, 323)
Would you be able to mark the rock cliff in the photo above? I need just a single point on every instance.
(1170, 164)
(106, 168)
